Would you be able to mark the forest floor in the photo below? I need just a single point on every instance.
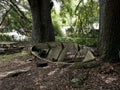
(19, 72)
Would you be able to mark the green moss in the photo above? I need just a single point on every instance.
(12, 56)
(91, 64)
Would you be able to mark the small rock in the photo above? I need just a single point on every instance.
(29, 74)
(53, 72)
(78, 81)
(63, 71)
(43, 87)
(110, 79)
(89, 57)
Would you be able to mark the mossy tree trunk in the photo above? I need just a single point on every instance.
(109, 40)
(43, 30)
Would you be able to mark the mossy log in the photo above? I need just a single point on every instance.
(90, 64)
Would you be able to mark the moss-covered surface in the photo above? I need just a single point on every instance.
(7, 57)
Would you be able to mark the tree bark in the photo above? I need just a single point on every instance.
(109, 40)
(43, 30)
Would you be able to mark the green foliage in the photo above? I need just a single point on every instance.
(7, 57)
(14, 21)
(80, 17)
(77, 14)
(80, 40)
(56, 24)
(17, 16)
(4, 37)
(58, 31)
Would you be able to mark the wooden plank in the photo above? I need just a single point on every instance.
(55, 49)
(2, 50)
(58, 51)
(62, 55)
(66, 51)
(40, 46)
(8, 42)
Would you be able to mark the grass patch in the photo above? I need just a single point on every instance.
(7, 57)
(80, 40)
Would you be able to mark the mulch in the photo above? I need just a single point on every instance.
(58, 76)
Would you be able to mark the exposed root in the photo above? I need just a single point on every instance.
(90, 64)
(34, 54)
(13, 73)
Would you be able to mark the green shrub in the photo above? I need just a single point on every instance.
(58, 31)
(81, 40)
(4, 37)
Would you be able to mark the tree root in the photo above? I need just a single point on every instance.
(13, 73)
(49, 61)
(75, 65)
(90, 64)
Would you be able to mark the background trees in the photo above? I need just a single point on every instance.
(15, 15)
(76, 18)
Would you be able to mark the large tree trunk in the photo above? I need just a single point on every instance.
(109, 40)
(43, 30)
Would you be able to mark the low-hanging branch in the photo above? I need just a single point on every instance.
(17, 9)
(78, 5)
(5, 15)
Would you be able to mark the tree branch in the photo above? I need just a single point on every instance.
(19, 11)
(3, 6)
(4, 16)
(78, 6)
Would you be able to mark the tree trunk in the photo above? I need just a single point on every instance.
(43, 30)
(109, 40)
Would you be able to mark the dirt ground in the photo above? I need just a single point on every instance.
(55, 76)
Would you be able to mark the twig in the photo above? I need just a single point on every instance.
(19, 11)
(4, 16)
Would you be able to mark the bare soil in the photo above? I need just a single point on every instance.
(56, 76)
